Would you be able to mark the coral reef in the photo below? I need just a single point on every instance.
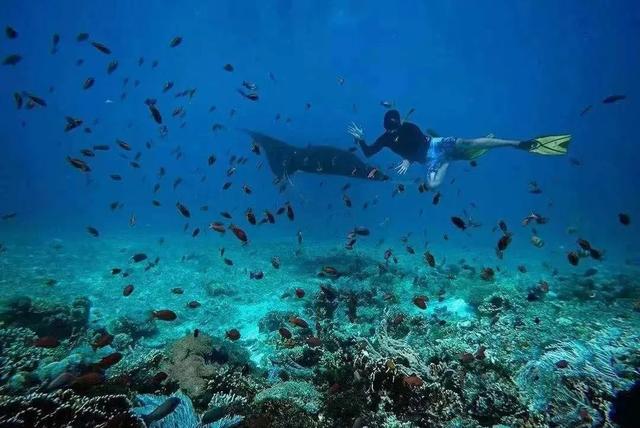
(17, 353)
(194, 361)
(577, 375)
(47, 318)
(63, 409)
(301, 394)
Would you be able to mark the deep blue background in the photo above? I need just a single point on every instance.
(514, 69)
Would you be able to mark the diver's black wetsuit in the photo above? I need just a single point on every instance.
(403, 138)
(407, 140)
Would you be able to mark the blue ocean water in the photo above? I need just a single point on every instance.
(514, 70)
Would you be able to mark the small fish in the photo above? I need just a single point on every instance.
(228, 67)
(82, 37)
(298, 322)
(613, 98)
(239, 233)
(275, 262)
(12, 59)
(10, 32)
(361, 231)
(624, 219)
(269, 217)
(101, 147)
(386, 104)
(284, 332)
(436, 198)
(217, 227)
(420, 301)
(127, 290)
(162, 411)
(584, 244)
(412, 381)
(330, 271)
(290, 214)
(586, 110)
(256, 275)
(36, 100)
(167, 86)
(89, 81)
(595, 254)
(102, 48)
(227, 261)
(251, 218)
(93, 231)
(108, 361)
(105, 339)
(183, 210)
(253, 96)
(573, 258)
(46, 342)
(164, 315)
(72, 123)
(233, 334)
(249, 85)
(137, 258)
(299, 293)
(429, 259)
(113, 65)
(123, 144)
(79, 164)
(193, 304)
(155, 113)
(504, 242)
(17, 98)
(487, 274)
(175, 41)
(225, 214)
(458, 222)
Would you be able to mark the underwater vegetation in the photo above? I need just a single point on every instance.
(196, 231)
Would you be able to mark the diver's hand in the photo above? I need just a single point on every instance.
(403, 167)
(356, 131)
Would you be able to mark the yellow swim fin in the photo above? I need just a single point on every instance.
(548, 145)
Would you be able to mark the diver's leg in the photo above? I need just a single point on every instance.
(486, 143)
(435, 177)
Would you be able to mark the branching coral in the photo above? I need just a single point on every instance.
(301, 394)
(573, 375)
(17, 352)
(66, 409)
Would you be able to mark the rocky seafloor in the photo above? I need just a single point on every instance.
(525, 347)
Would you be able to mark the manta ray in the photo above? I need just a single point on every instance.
(285, 160)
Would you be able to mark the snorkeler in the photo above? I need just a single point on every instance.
(407, 140)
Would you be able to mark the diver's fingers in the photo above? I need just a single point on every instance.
(355, 130)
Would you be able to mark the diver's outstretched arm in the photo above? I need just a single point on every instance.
(358, 135)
